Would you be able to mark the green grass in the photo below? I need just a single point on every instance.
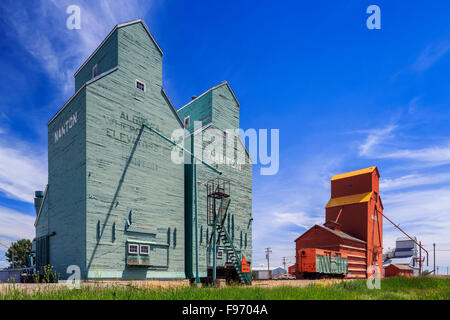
(392, 288)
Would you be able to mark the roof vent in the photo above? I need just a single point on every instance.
(194, 97)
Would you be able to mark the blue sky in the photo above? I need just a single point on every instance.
(344, 97)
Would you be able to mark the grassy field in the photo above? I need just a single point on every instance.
(392, 288)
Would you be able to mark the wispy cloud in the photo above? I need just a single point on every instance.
(22, 170)
(41, 30)
(300, 219)
(15, 225)
(430, 56)
(379, 144)
(436, 154)
(414, 180)
(423, 213)
(3, 263)
(374, 138)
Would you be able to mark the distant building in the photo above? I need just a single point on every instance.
(264, 274)
(398, 270)
(405, 253)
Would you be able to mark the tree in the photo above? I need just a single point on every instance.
(19, 251)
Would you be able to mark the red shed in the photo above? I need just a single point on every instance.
(393, 270)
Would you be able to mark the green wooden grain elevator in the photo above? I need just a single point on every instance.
(116, 205)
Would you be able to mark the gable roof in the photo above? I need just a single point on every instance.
(339, 234)
(172, 107)
(80, 89)
(118, 26)
(351, 199)
(354, 173)
(401, 266)
(223, 83)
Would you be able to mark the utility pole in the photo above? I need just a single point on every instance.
(434, 258)
(268, 251)
(284, 263)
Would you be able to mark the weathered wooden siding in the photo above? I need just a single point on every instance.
(239, 223)
(112, 182)
(225, 110)
(67, 181)
(106, 58)
(129, 172)
(198, 110)
(139, 55)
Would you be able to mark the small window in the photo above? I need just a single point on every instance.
(144, 249)
(133, 248)
(94, 71)
(219, 254)
(140, 85)
(187, 122)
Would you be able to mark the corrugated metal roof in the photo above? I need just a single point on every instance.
(354, 198)
(353, 173)
(409, 261)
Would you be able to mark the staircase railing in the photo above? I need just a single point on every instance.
(236, 257)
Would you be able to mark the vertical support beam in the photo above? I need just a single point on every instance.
(214, 253)
(420, 258)
(197, 278)
(434, 258)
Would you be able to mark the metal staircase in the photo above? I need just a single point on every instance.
(234, 255)
(218, 192)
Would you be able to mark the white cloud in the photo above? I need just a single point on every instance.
(22, 170)
(374, 138)
(423, 213)
(300, 219)
(41, 30)
(435, 154)
(413, 180)
(3, 264)
(376, 146)
(15, 225)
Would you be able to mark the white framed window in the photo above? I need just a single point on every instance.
(94, 71)
(219, 254)
(133, 248)
(140, 85)
(187, 122)
(144, 249)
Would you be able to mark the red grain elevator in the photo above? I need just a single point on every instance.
(353, 222)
